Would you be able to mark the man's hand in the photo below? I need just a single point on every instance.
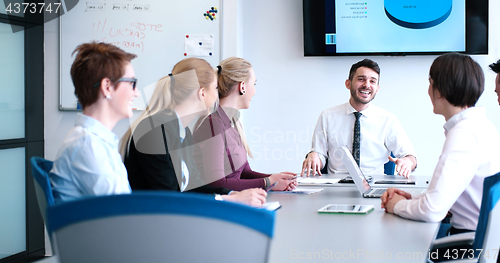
(405, 165)
(389, 205)
(390, 193)
(254, 197)
(311, 163)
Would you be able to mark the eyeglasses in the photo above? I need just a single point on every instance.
(133, 81)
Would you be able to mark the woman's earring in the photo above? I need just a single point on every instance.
(242, 92)
(108, 97)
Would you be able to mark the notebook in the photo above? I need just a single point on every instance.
(271, 206)
(360, 180)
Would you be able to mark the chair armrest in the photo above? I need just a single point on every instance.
(454, 240)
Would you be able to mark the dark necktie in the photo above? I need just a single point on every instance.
(357, 137)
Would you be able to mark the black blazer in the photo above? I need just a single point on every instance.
(153, 146)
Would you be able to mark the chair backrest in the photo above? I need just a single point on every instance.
(159, 227)
(389, 167)
(40, 169)
(487, 235)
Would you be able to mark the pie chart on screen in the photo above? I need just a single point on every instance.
(418, 14)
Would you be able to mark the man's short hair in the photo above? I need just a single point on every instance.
(495, 66)
(367, 63)
(94, 62)
(458, 78)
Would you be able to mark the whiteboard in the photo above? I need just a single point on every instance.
(154, 30)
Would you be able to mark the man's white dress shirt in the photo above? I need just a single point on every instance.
(381, 134)
(470, 153)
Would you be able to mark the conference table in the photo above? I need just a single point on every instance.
(303, 234)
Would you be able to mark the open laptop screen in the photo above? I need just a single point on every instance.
(352, 167)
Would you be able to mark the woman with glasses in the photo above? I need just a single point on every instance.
(88, 163)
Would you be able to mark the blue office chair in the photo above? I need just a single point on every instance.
(159, 227)
(40, 169)
(487, 235)
(389, 167)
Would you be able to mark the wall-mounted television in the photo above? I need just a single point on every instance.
(394, 27)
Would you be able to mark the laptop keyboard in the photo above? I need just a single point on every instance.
(379, 191)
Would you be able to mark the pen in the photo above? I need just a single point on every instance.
(271, 186)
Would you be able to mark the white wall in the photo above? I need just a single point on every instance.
(293, 90)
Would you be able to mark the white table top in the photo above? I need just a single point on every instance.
(302, 234)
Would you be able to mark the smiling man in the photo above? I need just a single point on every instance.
(371, 133)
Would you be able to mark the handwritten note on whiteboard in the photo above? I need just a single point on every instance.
(154, 30)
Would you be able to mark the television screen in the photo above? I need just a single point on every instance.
(394, 27)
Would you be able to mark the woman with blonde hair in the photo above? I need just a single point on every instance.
(157, 148)
(224, 149)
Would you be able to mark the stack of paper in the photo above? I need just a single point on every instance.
(317, 181)
(300, 190)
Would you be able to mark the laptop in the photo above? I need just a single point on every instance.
(360, 180)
